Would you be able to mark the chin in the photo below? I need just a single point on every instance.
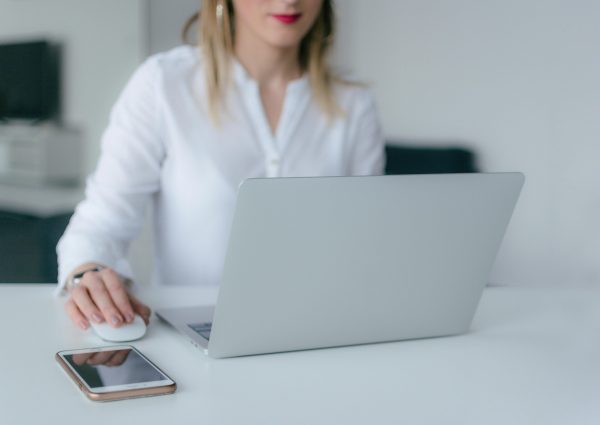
(284, 41)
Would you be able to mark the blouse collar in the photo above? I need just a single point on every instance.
(243, 78)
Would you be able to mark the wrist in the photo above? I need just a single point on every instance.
(75, 278)
(76, 275)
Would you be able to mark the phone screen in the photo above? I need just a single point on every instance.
(109, 368)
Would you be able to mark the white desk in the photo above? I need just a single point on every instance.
(533, 357)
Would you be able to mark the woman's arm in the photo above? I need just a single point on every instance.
(117, 194)
(368, 151)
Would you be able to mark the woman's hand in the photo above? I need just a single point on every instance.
(102, 296)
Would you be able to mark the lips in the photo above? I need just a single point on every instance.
(287, 19)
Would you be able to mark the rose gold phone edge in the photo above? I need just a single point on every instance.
(117, 395)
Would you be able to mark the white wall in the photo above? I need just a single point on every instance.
(519, 81)
(166, 19)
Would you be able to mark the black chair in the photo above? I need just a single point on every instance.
(411, 159)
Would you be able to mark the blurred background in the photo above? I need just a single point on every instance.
(513, 83)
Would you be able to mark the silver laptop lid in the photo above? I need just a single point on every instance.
(321, 262)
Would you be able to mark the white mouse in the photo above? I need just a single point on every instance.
(125, 332)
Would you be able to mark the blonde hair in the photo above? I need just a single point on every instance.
(216, 34)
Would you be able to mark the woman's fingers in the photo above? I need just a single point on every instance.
(81, 358)
(75, 314)
(140, 308)
(81, 297)
(118, 293)
(100, 357)
(118, 358)
(102, 298)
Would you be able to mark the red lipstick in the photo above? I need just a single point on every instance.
(287, 19)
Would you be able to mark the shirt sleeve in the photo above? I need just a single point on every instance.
(368, 153)
(126, 177)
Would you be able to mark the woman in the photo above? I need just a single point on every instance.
(256, 99)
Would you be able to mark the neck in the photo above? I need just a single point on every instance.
(266, 64)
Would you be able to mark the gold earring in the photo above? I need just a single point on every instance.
(219, 13)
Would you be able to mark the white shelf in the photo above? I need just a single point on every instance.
(39, 201)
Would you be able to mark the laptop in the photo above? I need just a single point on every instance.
(333, 261)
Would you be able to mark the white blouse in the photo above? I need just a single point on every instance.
(162, 148)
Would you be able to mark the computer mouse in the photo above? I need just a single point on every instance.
(126, 332)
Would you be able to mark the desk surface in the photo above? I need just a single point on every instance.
(532, 357)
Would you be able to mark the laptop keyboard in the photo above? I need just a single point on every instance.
(202, 329)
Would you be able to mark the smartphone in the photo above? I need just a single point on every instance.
(114, 373)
